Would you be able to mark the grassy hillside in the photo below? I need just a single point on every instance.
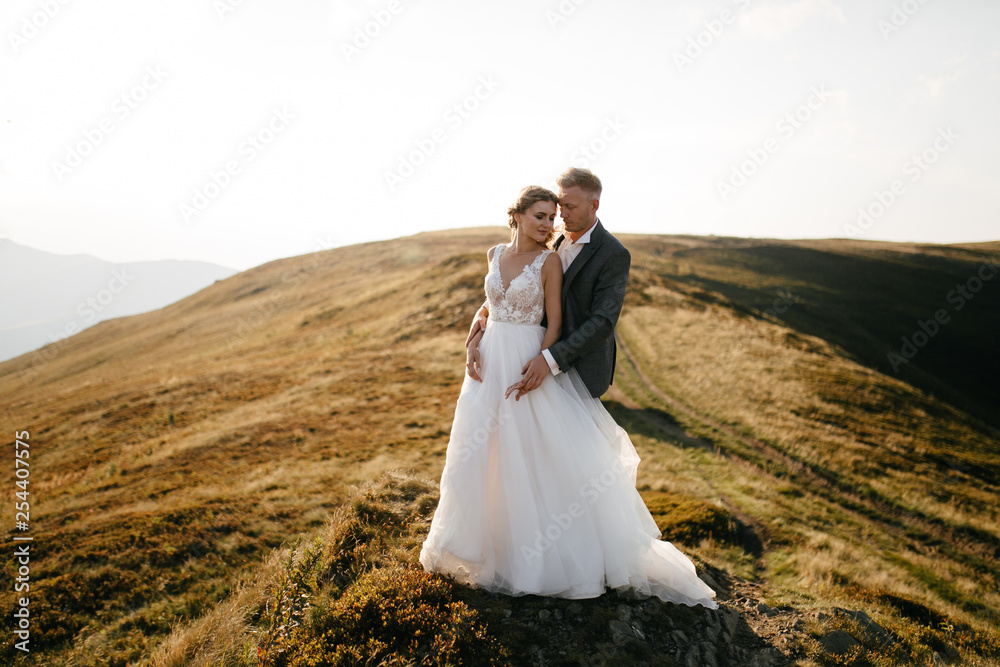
(866, 298)
(176, 457)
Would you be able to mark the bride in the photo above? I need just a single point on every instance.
(538, 490)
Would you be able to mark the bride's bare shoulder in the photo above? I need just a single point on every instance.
(552, 267)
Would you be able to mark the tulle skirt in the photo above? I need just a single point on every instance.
(538, 495)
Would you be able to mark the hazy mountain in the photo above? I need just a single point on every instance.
(47, 297)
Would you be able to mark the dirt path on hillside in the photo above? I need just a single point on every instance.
(892, 518)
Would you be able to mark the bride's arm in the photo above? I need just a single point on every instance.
(533, 373)
(552, 277)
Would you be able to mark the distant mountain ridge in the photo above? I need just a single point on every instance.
(47, 297)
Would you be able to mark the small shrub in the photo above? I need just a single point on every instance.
(395, 614)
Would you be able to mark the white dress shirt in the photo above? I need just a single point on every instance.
(567, 252)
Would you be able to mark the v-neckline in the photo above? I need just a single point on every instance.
(503, 290)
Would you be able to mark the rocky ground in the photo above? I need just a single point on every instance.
(744, 631)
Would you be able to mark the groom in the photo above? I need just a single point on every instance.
(595, 272)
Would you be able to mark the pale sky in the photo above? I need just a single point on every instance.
(740, 118)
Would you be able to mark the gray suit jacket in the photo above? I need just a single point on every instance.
(592, 295)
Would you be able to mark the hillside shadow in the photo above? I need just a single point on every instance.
(655, 423)
(867, 304)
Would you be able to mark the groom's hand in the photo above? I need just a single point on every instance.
(532, 375)
(478, 324)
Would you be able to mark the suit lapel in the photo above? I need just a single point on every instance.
(588, 250)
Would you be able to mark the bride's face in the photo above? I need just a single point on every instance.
(536, 223)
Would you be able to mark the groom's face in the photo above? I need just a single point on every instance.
(577, 208)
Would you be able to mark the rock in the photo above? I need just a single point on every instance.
(506, 613)
(620, 632)
(679, 637)
(624, 612)
(870, 627)
(730, 620)
(947, 657)
(767, 658)
(574, 608)
(544, 614)
(620, 626)
(692, 659)
(558, 614)
(838, 642)
(766, 610)
(708, 655)
(712, 583)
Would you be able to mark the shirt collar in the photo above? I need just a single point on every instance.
(583, 239)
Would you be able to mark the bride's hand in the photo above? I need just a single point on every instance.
(473, 363)
(517, 386)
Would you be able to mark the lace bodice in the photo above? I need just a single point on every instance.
(523, 302)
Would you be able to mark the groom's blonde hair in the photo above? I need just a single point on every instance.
(581, 178)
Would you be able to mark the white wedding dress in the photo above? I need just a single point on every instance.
(538, 495)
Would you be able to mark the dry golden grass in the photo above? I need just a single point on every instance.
(174, 453)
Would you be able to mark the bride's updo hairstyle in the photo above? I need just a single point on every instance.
(527, 198)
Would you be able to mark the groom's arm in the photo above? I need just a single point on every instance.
(605, 307)
(479, 319)
(478, 322)
(474, 362)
